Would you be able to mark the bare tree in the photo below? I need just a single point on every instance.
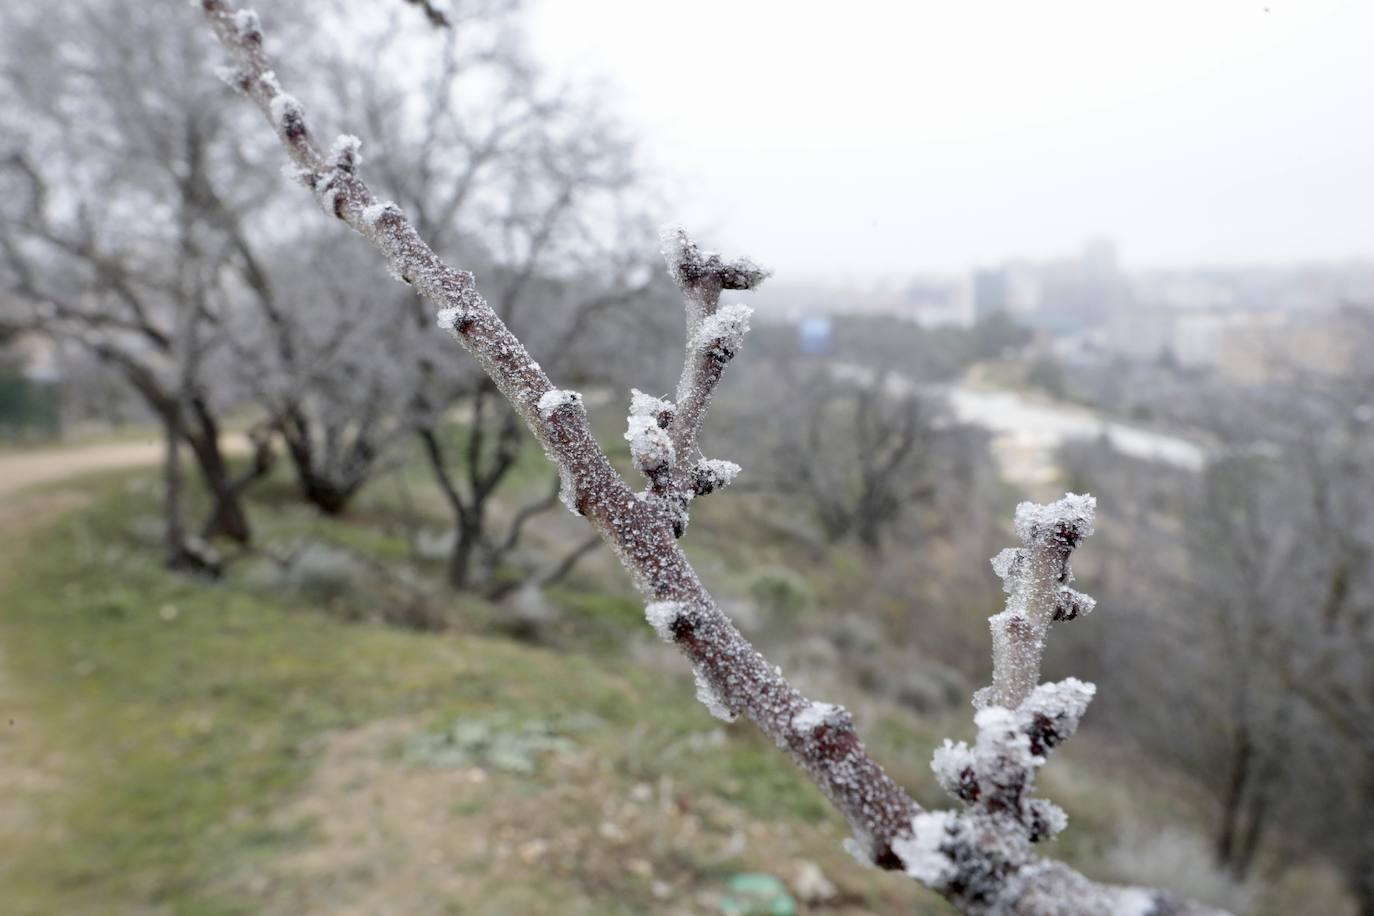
(862, 453)
(317, 355)
(1253, 579)
(979, 858)
(532, 186)
(111, 233)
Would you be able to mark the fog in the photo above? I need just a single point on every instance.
(885, 138)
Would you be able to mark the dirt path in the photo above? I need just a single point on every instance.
(20, 470)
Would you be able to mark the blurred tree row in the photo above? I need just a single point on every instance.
(1254, 580)
(139, 226)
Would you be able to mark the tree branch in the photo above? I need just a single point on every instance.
(1036, 579)
(436, 16)
(734, 678)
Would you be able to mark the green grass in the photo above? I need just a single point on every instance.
(174, 721)
(183, 714)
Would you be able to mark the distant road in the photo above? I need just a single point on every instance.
(1028, 432)
(1048, 425)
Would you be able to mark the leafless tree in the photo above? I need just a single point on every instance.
(1253, 578)
(529, 184)
(979, 857)
(862, 453)
(111, 230)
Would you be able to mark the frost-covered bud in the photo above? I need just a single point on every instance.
(923, 853)
(805, 721)
(955, 769)
(234, 78)
(1066, 521)
(1070, 604)
(556, 399)
(711, 698)
(1044, 819)
(1002, 745)
(663, 617)
(742, 273)
(374, 215)
(288, 115)
(1007, 567)
(678, 252)
(247, 26)
(647, 405)
(331, 201)
(1052, 712)
(344, 155)
(711, 474)
(689, 265)
(454, 320)
(650, 445)
(722, 334)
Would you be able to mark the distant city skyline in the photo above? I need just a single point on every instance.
(882, 140)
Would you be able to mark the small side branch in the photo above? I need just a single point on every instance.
(436, 16)
(981, 856)
(1036, 579)
(714, 335)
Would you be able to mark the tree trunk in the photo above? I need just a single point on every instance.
(326, 495)
(463, 556)
(227, 516)
(1231, 803)
(174, 534)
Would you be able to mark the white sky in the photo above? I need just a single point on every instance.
(855, 138)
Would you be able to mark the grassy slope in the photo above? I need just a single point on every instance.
(177, 720)
(238, 748)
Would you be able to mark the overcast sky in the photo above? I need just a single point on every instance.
(855, 138)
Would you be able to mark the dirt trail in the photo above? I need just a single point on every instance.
(20, 470)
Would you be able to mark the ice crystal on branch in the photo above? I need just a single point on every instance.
(374, 214)
(651, 445)
(248, 25)
(647, 405)
(1068, 520)
(663, 615)
(922, 852)
(689, 265)
(556, 399)
(710, 698)
(817, 714)
(722, 334)
(344, 154)
(711, 474)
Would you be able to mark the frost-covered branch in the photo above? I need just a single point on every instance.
(978, 858)
(437, 17)
(981, 857)
(1036, 579)
(713, 336)
(734, 673)
(662, 433)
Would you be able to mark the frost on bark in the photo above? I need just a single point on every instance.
(979, 858)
